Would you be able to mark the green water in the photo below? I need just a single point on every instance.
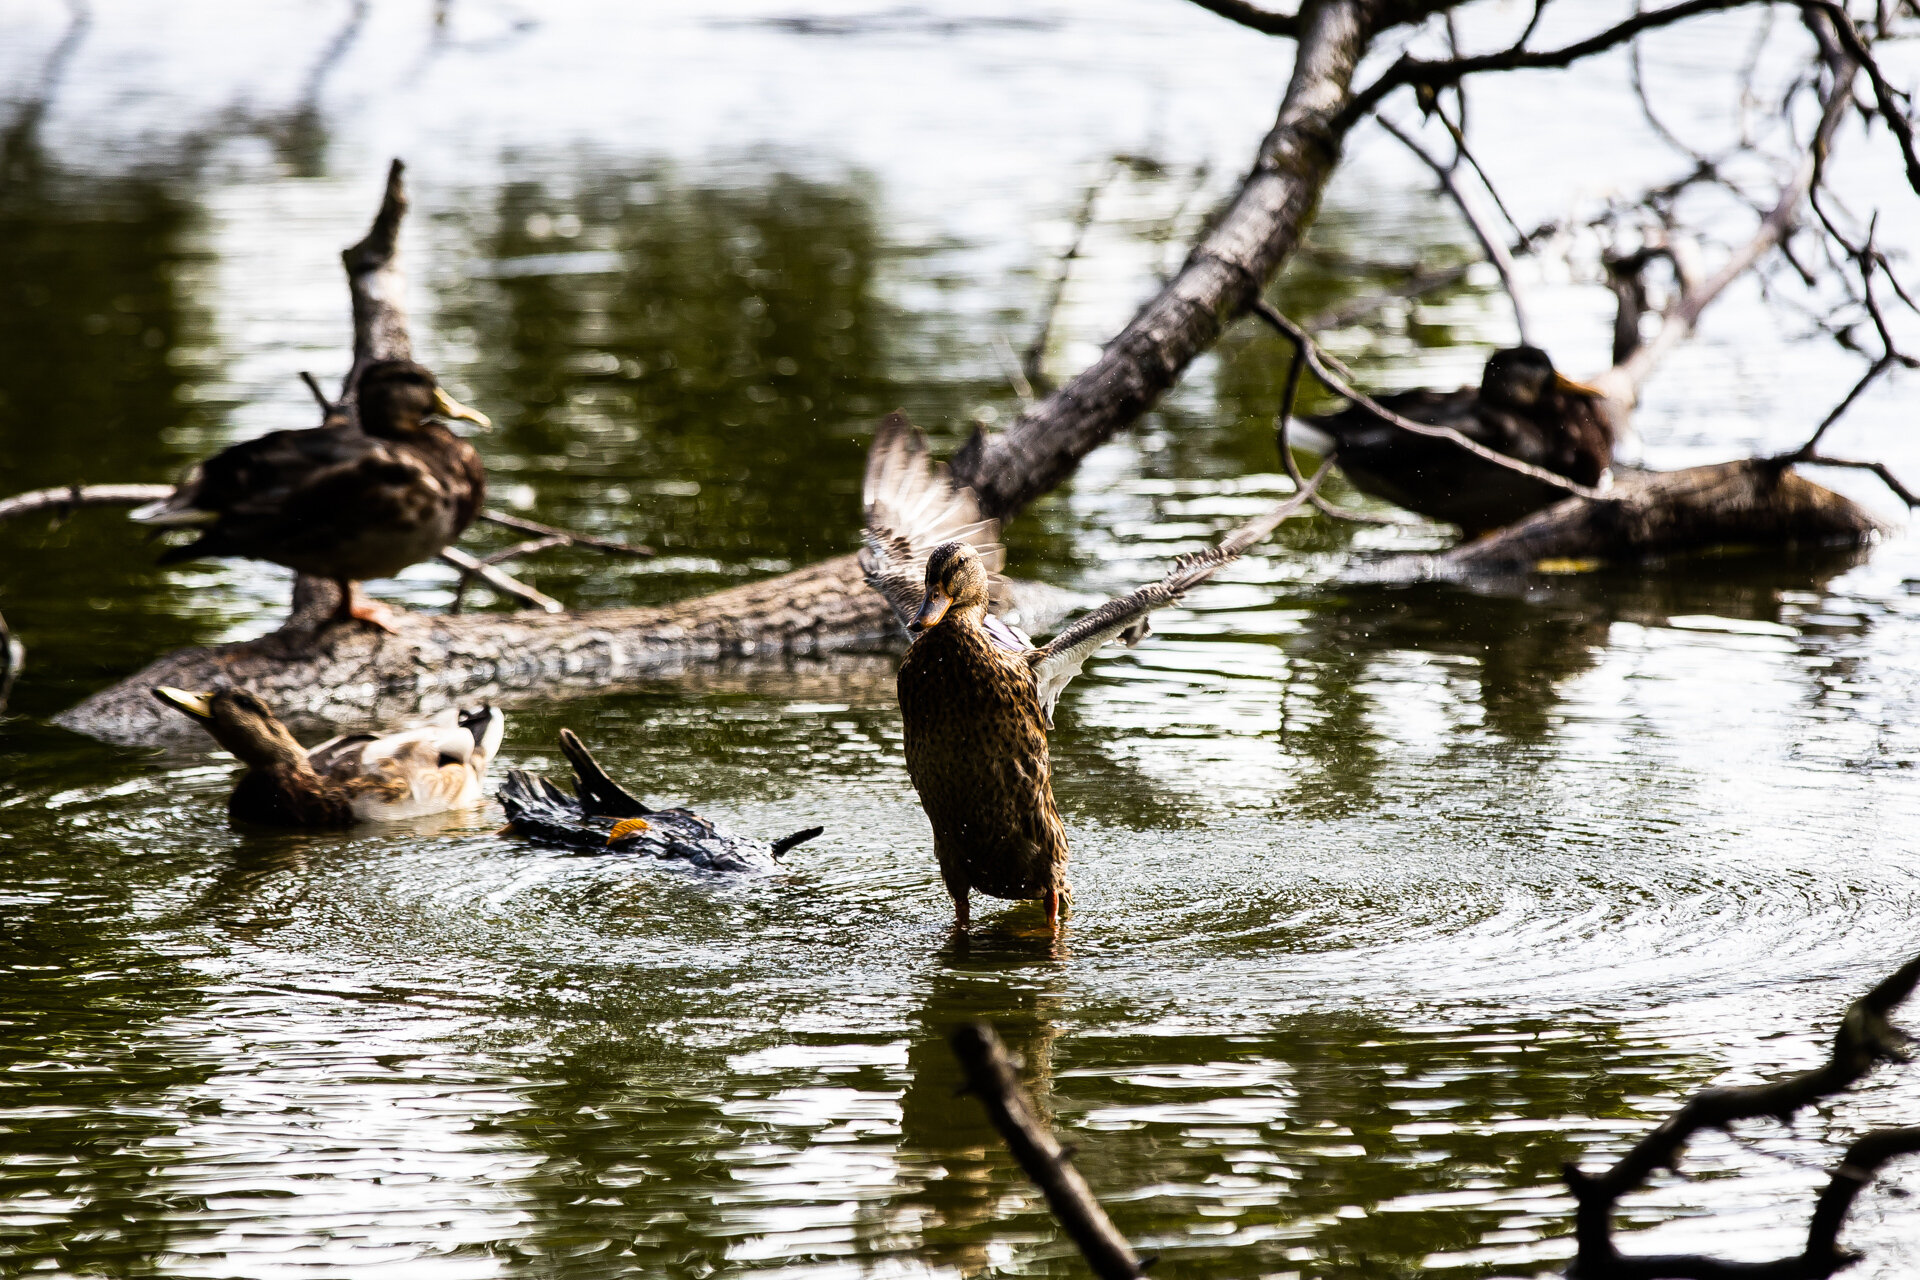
(1388, 902)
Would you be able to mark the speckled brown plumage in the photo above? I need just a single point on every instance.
(976, 744)
(977, 696)
(345, 501)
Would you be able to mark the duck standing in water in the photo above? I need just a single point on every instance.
(976, 696)
(347, 501)
(361, 777)
(1523, 407)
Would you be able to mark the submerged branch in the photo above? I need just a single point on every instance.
(992, 1080)
(1865, 1039)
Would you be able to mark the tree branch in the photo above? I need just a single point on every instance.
(1865, 1038)
(69, 498)
(1219, 280)
(522, 525)
(991, 1079)
(1445, 71)
(1494, 246)
(1265, 21)
(499, 581)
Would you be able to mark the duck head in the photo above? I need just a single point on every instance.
(241, 723)
(397, 396)
(956, 584)
(1520, 378)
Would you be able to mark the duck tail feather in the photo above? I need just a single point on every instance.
(598, 793)
(785, 843)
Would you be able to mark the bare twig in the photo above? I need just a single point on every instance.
(1282, 424)
(1866, 1038)
(320, 397)
(991, 1079)
(1265, 21)
(1493, 245)
(522, 525)
(68, 498)
(499, 581)
(1437, 73)
(1880, 469)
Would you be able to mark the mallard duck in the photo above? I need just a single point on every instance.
(1523, 407)
(976, 695)
(342, 501)
(604, 817)
(360, 777)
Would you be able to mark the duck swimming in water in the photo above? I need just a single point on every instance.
(604, 817)
(1523, 407)
(346, 501)
(976, 696)
(361, 777)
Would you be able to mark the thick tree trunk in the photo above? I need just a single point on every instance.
(1220, 278)
(352, 676)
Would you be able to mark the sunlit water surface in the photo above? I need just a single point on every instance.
(1387, 902)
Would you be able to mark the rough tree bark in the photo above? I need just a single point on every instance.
(353, 676)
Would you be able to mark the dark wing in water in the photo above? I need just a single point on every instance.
(598, 793)
(541, 811)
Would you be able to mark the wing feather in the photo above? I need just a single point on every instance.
(912, 506)
(1057, 662)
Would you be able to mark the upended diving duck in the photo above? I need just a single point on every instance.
(603, 817)
(976, 695)
(347, 501)
(1523, 407)
(360, 777)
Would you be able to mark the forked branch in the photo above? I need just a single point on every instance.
(1866, 1038)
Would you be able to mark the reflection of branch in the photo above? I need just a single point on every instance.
(1037, 349)
(991, 1079)
(1265, 21)
(1338, 378)
(1495, 246)
(1865, 1039)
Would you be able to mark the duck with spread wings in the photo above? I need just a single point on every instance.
(976, 696)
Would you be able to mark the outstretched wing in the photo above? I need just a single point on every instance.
(913, 506)
(1057, 662)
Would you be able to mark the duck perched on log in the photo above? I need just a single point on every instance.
(976, 695)
(361, 777)
(604, 817)
(349, 500)
(1523, 407)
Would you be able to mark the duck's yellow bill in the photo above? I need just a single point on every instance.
(447, 407)
(197, 705)
(626, 827)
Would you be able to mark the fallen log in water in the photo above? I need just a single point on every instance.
(348, 675)
(1648, 514)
